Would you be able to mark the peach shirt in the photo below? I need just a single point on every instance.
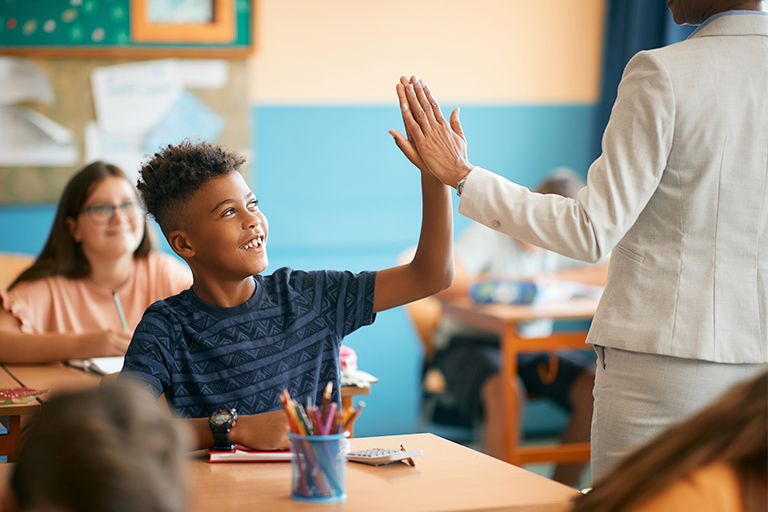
(62, 305)
(713, 488)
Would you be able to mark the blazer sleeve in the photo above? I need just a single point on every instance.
(636, 145)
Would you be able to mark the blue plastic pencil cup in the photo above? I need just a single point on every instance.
(319, 468)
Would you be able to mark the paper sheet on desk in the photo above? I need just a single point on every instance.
(99, 365)
(553, 291)
(357, 378)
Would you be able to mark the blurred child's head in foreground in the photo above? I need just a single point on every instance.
(108, 449)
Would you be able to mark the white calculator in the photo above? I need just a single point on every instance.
(379, 456)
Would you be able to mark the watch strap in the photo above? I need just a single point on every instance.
(460, 187)
(221, 440)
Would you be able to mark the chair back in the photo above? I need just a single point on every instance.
(425, 315)
(11, 265)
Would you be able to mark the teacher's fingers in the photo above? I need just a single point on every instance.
(423, 102)
(411, 126)
(433, 103)
(418, 113)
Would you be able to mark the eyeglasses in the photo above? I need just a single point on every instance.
(104, 213)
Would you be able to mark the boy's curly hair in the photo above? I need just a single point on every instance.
(173, 174)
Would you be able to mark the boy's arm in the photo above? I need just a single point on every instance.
(431, 269)
(267, 431)
(461, 283)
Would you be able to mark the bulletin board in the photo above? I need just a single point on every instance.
(73, 108)
(124, 28)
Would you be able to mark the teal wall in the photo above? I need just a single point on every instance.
(339, 195)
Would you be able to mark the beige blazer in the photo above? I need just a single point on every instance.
(679, 195)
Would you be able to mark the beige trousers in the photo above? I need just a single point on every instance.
(638, 395)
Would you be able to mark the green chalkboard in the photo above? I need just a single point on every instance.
(101, 28)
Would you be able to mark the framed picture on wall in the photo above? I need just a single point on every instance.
(128, 28)
(183, 21)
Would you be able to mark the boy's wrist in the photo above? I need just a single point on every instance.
(221, 423)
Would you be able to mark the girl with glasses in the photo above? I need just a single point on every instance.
(98, 255)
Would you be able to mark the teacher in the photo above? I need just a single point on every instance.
(680, 197)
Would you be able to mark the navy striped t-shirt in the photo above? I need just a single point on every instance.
(287, 335)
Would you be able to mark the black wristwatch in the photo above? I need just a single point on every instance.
(221, 422)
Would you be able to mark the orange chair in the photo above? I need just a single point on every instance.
(11, 265)
(438, 413)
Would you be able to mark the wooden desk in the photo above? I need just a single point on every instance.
(447, 477)
(59, 377)
(9, 442)
(503, 319)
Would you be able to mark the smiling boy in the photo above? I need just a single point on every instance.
(238, 337)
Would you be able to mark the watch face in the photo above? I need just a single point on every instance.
(221, 417)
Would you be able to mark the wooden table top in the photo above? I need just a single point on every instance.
(447, 477)
(582, 307)
(54, 376)
(60, 377)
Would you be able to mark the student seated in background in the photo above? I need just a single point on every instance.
(716, 461)
(469, 358)
(100, 450)
(62, 306)
(233, 341)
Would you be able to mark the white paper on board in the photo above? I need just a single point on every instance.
(204, 73)
(189, 118)
(22, 80)
(29, 139)
(124, 151)
(132, 98)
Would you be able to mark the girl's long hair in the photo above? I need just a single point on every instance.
(734, 429)
(61, 255)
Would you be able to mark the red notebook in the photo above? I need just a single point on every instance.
(242, 454)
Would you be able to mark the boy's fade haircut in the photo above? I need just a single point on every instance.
(173, 174)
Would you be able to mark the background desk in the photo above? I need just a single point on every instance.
(503, 319)
(448, 477)
(59, 377)
(9, 441)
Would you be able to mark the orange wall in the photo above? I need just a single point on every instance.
(478, 52)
